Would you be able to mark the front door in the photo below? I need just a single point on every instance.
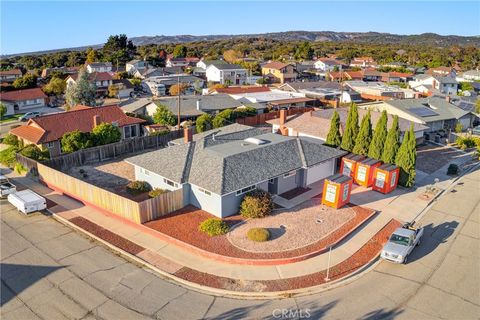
(273, 186)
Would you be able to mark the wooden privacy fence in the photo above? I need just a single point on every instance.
(111, 151)
(260, 119)
(29, 164)
(138, 212)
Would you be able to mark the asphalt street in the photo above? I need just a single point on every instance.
(49, 271)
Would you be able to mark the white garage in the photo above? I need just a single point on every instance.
(320, 171)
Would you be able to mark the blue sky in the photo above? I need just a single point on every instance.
(39, 25)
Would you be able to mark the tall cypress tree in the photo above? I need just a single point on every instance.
(334, 138)
(379, 136)
(406, 158)
(392, 142)
(364, 136)
(351, 129)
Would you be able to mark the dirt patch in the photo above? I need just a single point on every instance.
(294, 193)
(431, 157)
(307, 224)
(183, 225)
(364, 255)
(110, 237)
(110, 175)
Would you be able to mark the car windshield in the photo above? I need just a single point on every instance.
(401, 240)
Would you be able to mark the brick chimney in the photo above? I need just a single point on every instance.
(96, 120)
(283, 117)
(187, 135)
(448, 98)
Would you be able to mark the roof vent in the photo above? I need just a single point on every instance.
(256, 141)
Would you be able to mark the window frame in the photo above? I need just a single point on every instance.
(245, 190)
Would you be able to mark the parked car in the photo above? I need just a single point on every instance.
(27, 201)
(401, 243)
(476, 130)
(30, 115)
(6, 187)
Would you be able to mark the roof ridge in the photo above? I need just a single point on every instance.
(188, 161)
(302, 154)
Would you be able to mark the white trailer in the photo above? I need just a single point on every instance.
(6, 187)
(27, 201)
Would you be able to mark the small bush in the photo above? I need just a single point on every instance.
(258, 234)
(32, 151)
(11, 140)
(7, 156)
(256, 204)
(138, 187)
(156, 192)
(213, 227)
(458, 127)
(452, 169)
(19, 168)
(467, 142)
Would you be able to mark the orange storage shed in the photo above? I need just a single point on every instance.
(336, 190)
(385, 178)
(349, 164)
(364, 171)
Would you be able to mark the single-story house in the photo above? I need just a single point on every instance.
(125, 87)
(136, 106)
(21, 101)
(215, 169)
(101, 80)
(434, 112)
(47, 131)
(99, 67)
(316, 124)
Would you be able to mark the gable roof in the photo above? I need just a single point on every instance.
(21, 95)
(55, 125)
(225, 66)
(94, 76)
(311, 84)
(11, 72)
(221, 161)
(237, 90)
(443, 110)
(276, 65)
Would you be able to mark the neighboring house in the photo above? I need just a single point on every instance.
(160, 86)
(396, 76)
(327, 64)
(378, 90)
(298, 86)
(470, 75)
(125, 88)
(431, 84)
(150, 72)
(193, 106)
(226, 73)
(21, 101)
(371, 75)
(10, 76)
(276, 99)
(47, 131)
(395, 64)
(182, 62)
(137, 106)
(349, 96)
(316, 124)
(203, 64)
(239, 90)
(442, 71)
(434, 112)
(215, 169)
(99, 67)
(363, 62)
(65, 70)
(101, 80)
(279, 72)
(136, 66)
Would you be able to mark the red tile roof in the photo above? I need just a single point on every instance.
(56, 124)
(95, 76)
(11, 72)
(275, 65)
(237, 90)
(21, 95)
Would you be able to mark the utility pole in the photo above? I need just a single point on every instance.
(178, 101)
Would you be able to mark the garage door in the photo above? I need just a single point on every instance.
(319, 172)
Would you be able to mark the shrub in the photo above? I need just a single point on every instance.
(213, 227)
(7, 156)
(258, 234)
(156, 192)
(256, 204)
(458, 127)
(11, 140)
(137, 187)
(467, 142)
(32, 151)
(19, 168)
(452, 169)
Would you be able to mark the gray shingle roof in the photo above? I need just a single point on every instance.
(222, 162)
(227, 66)
(440, 106)
(188, 104)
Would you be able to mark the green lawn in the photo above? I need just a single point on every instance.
(11, 118)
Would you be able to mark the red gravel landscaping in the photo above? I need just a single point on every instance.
(110, 237)
(365, 254)
(183, 225)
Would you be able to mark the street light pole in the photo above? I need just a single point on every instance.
(328, 265)
(178, 100)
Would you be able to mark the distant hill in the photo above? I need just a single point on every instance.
(430, 39)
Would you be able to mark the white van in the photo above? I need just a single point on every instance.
(27, 201)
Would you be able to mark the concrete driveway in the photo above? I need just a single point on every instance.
(51, 272)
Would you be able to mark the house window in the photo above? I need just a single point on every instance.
(130, 131)
(50, 145)
(289, 174)
(170, 183)
(146, 172)
(271, 181)
(245, 190)
(208, 193)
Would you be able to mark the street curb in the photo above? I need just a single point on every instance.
(222, 292)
